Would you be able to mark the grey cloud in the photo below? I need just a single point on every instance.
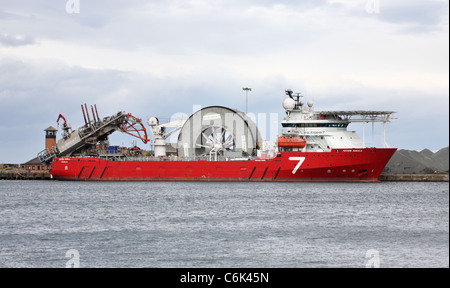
(190, 27)
(5, 15)
(16, 40)
(420, 16)
(225, 30)
(176, 27)
(428, 13)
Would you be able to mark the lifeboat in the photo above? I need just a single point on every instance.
(291, 142)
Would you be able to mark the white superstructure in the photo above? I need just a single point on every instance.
(325, 130)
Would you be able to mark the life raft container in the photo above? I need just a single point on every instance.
(291, 142)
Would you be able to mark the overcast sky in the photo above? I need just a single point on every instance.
(159, 58)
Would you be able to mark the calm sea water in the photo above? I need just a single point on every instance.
(151, 224)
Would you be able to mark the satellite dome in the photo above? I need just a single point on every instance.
(310, 103)
(153, 121)
(288, 104)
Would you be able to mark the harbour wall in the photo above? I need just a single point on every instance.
(414, 177)
(24, 175)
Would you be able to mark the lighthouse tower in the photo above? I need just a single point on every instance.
(50, 137)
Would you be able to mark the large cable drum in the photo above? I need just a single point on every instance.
(218, 131)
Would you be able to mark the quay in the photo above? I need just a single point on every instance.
(24, 175)
(414, 177)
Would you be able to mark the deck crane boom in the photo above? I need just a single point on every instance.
(87, 136)
(66, 128)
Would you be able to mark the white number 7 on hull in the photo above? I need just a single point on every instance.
(300, 161)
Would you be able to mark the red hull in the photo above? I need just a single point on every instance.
(344, 165)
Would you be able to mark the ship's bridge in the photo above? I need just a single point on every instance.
(326, 130)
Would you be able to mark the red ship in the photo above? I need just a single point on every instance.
(222, 144)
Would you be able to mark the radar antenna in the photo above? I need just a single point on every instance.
(297, 96)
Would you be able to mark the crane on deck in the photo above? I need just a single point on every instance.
(94, 131)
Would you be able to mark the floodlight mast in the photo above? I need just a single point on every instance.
(246, 89)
